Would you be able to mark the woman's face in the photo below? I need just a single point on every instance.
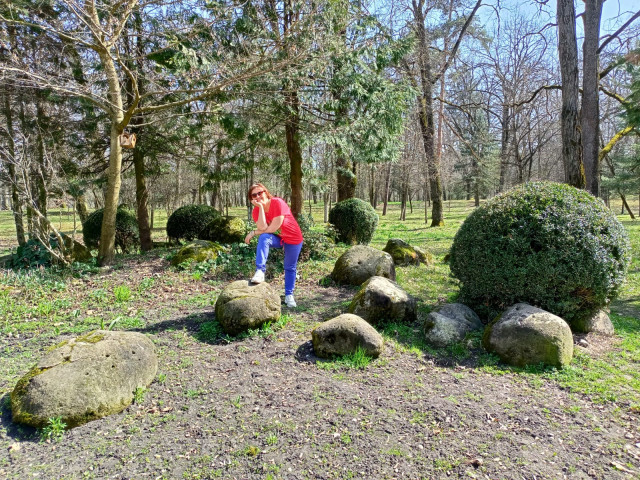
(258, 195)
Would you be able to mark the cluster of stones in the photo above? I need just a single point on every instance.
(97, 374)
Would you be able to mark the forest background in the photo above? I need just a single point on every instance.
(322, 101)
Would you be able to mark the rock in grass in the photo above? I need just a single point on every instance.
(343, 335)
(360, 263)
(197, 251)
(526, 335)
(224, 230)
(242, 306)
(85, 378)
(597, 323)
(404, 254)
(450, 324)
(381, 300)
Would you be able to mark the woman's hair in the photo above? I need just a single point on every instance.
(262, 187)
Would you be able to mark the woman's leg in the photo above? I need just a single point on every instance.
(291, 254)
(265, 242)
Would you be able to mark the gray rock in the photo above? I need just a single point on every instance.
(526, 335)
(404, 254)
(242, 306)
(380, 299)
(450, 324)
(360, 263)
(85, 378)
(598, 323)
(343, 335)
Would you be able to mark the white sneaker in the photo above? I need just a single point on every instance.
(290, 301)
(258, 277)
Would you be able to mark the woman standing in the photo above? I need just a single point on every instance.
(272, 214)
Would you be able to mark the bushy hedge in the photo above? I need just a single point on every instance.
(127, 235)
(188, 221)
(354, 221)
(546, 244)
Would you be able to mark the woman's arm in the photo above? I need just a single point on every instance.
(274, 226)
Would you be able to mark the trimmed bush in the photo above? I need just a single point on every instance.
(127, 235)
(187, 222)
(546, 244)
(354, 221)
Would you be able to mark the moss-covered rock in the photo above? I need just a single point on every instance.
(242, 306)
(196, 252)
(381, 300)
(404, 254)
(344, 334)
(85, 378)
(360, 263)
(224, 230)
(525, 335)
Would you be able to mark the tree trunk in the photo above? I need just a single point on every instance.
(387, 185)
(590, 116)
(568, 56)
(16, 201)
(426, 121)
(504, 145)
(106, 251)
(81, 207)
(294, 151)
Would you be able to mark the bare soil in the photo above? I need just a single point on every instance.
(262, 408)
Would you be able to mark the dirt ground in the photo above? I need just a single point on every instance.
(262, 408)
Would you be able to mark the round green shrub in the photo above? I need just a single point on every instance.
(354, 221)
(187, 222)
(547, 244)
(127, 235)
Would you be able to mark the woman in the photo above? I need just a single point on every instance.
(272, 214)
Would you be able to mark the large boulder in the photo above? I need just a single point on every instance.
(360, 263)
(197, 251)
(526, 335)
(380, 299)
(404, 254)
(450, 324)
(224, 230)
(597, 323)
(77, 251)
(85, 378)
(242, 306)
(343, 335)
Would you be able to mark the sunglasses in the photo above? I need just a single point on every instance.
(257, 194)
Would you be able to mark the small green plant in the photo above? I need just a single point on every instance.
(122, 293)
(54, 430)
(139, 394)
(271, 439)
(146, 284)
(237, 402)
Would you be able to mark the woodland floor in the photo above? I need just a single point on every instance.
(264, 407)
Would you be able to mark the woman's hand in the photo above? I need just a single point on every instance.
(249, 236)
